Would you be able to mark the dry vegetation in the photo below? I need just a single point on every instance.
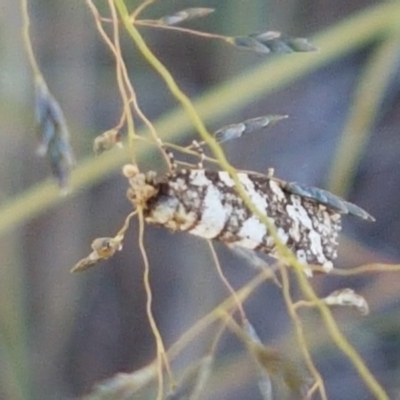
(284, 368)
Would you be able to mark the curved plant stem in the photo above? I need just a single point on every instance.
(162, 357)
(339, 339)
(140, 9)
(123, 80)
(319, 383)
(283, 250)
(198, 124)
(27, 39)
(223, 278)
(234, 94)
(226, 306)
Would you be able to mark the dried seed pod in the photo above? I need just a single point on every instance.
(106, 141)
(206, 204)
(249, 43)
(235, 131)
(53, 133)
(271, 42)
(185, 15)
(347, 297)
(103, 248)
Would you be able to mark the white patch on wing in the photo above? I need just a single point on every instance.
(226, 179)
(298, 213)
(294, 231)
(258, 200)
(198, 178)
(213, 216)
(251, 233)
(326, 226)
(282, 235)
(316, 246)
(277, 190)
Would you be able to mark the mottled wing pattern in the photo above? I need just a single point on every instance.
(206, 204)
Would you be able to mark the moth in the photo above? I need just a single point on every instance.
(205, 203)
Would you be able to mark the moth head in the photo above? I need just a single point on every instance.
(143, 187)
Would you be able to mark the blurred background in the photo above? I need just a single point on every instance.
(60, 334)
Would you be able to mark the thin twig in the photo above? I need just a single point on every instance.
(223, 278)
(161, 354)
(140, 9)
(348, 35)
(340, 340)
(319, 383)
(205, 35)
(27, 39)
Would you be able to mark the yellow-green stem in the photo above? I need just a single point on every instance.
(234, 94)
(340, 340)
